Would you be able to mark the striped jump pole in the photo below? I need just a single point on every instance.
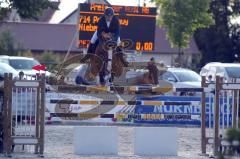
(126, 89)
(97, 113)
(126, 103)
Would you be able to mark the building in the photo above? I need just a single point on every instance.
(41, 37)
(61, 38)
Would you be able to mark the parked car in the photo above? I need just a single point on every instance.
(227, 70)
(5, 68)
(24, 64)
(182, 78)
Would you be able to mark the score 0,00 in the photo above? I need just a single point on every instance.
(147, 46)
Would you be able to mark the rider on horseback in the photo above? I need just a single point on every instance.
(108, 23)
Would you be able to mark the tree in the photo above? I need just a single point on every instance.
(26, 53)
(8, 45)
(182, 18)
(31, 9)
(220, 42)
(233, 135)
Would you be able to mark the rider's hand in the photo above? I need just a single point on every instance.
(105, 36)
(108, 35)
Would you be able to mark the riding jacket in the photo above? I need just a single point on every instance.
(114, 27)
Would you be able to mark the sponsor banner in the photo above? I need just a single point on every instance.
(66, 106)
(174, 110)
(183, 114)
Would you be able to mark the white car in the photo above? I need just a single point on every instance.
(182, 78)
(24, 64)
(5, 68)
(227, 70)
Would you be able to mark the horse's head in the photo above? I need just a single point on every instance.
(107, 42)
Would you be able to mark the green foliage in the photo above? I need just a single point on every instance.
(3, 11)
(8, 45)
(196, 59)
(233, 135)
(26, 54)
(182, 18)
(49, 59)
(31, 9)
(221, 41)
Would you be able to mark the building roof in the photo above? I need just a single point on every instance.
(58, 37)
(43, 36)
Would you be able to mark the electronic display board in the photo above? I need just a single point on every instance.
(136, 23)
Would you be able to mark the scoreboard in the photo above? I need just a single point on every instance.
(136, 23)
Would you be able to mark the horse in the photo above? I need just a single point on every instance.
(99, 61)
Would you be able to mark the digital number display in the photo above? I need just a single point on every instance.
(136, 23)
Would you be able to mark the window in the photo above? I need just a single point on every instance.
(233, 72)
(23, 64)
(187, 76)
(168, 77)
(3, 60)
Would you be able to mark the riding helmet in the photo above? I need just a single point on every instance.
(109, 11)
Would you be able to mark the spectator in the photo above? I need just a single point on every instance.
(153, 71)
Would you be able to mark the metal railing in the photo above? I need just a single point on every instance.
(23, 113)
(221, 107)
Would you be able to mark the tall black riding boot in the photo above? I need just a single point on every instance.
(111, 78)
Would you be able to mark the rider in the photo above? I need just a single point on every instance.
(108, 23)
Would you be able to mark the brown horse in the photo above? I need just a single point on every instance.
(99, 62)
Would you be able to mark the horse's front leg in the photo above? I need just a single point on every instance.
(102, 73)
(111, 78)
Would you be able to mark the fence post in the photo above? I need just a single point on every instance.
(203, 117)
(7, 111)
(5, 116)
(42, 114)
(216, 112)
(37, 116)
(1, 121)
(235, 107)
